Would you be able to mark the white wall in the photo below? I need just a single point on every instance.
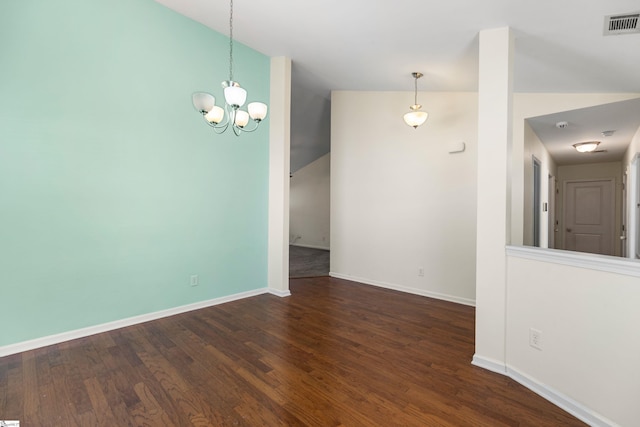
(590, 342)
(399, 201)
(589, 358)
(279, 151)
(495, 123)
(309, 204)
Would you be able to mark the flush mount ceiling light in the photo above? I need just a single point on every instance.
(234, 96)
(415, 117)
(586, 147)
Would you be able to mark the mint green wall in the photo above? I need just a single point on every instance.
(113, 191)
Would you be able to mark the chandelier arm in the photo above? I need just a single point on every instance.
(220, 129)
(255, 126)
(217, 127)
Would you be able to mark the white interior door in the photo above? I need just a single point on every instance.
(589, 216)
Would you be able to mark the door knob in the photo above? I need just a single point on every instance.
(568, 230)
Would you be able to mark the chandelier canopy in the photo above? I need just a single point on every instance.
(231, 116)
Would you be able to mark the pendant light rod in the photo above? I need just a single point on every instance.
(416, 76)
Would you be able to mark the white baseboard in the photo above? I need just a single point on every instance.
(324, 248)
(560, 400)
(415, 291)
(489, 364)
(279, 293)
(92, 330)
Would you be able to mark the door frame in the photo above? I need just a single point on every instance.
(537, 198)
(552, 193)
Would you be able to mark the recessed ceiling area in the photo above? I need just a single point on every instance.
(587, 124)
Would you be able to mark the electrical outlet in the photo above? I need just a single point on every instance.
(194, 280)
(535, 338)
(421, 271)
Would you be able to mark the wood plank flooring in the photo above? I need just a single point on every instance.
(335, 353)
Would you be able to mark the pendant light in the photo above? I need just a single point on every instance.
(415, 117)
(586, 147)
(231, 116)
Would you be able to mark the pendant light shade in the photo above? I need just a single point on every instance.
(257, 111)
(215, 115)
(415, 117)
(242, 118)
(234, 96)
(203, 102)
(586, 147)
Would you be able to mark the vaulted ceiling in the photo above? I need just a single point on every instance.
(375, 45)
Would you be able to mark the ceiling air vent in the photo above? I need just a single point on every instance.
(621, 24)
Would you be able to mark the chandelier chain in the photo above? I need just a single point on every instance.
(231, 41)
(415, 92)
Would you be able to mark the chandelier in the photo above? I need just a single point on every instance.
(415, 117)
(220, 119)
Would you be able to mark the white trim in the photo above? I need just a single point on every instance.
(560, 400)
(325, 248)
(279, 293)
(632, 207)
(611, 264)
(415, 291)
(489, 364)
(122, 323)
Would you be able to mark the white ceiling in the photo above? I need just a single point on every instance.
(587, 124)
(374, 45)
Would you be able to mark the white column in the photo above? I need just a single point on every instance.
(495, 95)
(279, 151)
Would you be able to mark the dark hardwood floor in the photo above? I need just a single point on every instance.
(335, 353)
